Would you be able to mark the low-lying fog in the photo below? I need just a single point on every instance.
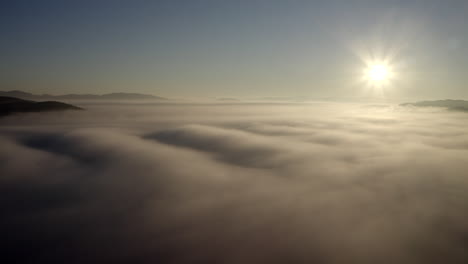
(235, 183)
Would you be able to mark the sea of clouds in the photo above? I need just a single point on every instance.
(235, 183)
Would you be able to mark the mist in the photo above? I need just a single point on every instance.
(235, 183)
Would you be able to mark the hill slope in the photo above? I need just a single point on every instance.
(10, 105)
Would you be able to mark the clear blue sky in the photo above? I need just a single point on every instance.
(232, 48)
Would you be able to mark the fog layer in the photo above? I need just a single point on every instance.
(235, 183)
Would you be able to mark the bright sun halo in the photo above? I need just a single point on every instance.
(378, 74)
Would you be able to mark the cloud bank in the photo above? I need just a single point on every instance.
(237, 183)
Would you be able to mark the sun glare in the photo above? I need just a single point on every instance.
(378, 74)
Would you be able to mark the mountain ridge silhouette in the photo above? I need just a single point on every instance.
(108, 96)
(13, 105)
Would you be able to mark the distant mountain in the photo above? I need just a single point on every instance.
(11, 105)
(455, 105)
(110, 96)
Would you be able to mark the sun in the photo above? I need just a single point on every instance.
(378, 73)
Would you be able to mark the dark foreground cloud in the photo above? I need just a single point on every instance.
(305, 183)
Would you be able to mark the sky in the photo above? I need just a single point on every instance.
(254, 48)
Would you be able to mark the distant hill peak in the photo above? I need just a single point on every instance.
(109, 96)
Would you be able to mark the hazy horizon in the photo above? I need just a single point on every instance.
(251, 99)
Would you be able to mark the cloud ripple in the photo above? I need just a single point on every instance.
(348, 184)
